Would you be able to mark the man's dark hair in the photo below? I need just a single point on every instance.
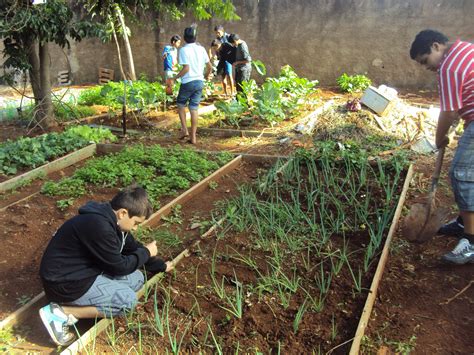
(135, 200)
(190, 34)
(175, 39)
(424, 40)
(233, 37)
(216, 42)
(219, 28)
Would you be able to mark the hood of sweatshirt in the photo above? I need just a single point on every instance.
(103, 209)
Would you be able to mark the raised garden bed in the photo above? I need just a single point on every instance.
(36, 338)
(33, 221)
(286, 271)
(26, 153)
(139, 122)
(277, 101)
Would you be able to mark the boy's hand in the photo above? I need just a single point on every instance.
(441, 143)
(152, 248)
(169, 266)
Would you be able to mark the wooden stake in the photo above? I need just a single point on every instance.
(449, 300)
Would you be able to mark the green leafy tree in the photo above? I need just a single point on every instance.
(27, 30)
(115, 14)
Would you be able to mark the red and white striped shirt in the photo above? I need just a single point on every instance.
(456, 80)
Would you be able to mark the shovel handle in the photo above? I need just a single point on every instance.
(437, 170)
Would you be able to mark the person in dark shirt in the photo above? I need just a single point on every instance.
(243, 60)
(226, 56)
(90, 267)
(221, 35)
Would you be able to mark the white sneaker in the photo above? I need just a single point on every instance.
(463, 253)
(57, 323)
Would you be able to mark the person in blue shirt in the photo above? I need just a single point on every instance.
(170, 57)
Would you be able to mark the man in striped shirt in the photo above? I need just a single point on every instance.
(454, 63)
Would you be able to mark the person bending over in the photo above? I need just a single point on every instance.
(90, 266)
(454, 64)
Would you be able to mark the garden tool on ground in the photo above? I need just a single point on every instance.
(424, 219)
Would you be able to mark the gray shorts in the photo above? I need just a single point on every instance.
(462, 171)
(112, 295)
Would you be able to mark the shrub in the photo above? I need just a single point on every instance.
(353, 83)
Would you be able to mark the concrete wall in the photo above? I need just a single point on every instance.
(321, 39)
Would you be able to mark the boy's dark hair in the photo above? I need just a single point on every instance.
(190, 34)
(233, 37)
(424, 40)
(135, 200)
(175, 39)
(216, 42)
(219, 28)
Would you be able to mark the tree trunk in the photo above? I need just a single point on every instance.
(45, 105)
(128, 48)
(122, 72)
(34, 71)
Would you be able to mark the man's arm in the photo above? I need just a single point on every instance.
(182, 71)
(245, 53)
(208, 70)
(445, 121)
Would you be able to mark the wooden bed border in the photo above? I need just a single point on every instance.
(369, 303)
(55, 165)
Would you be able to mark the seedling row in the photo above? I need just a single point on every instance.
(289, 269)
(164, 172)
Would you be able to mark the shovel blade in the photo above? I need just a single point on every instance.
(418, 227)
(433, 224)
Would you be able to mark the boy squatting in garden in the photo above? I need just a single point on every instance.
(454, 63)
(89, 268)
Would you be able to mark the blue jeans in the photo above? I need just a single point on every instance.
(190, 92)
(462, 171)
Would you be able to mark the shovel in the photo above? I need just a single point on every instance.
(422, 222)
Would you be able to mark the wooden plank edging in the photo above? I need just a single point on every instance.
(231, 132)
(193, 191)
(80, 343)
(55, 165)
(369, 303)
(20, 314)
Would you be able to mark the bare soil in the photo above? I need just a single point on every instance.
(412, 299)
(266, 325)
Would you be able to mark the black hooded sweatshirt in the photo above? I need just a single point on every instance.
(84, 247)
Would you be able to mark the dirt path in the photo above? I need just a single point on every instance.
(412, 311)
